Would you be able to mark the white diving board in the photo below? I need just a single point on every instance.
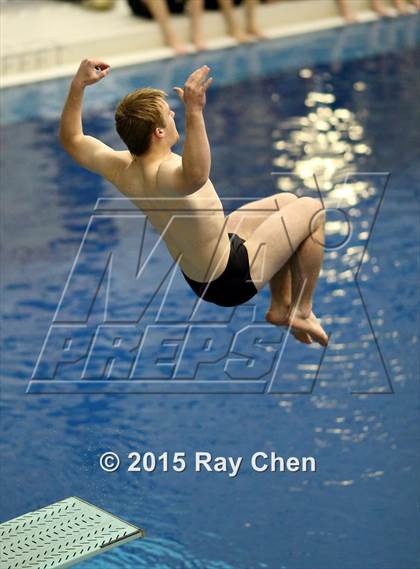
(61, 535)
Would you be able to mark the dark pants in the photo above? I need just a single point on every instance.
(139, 7)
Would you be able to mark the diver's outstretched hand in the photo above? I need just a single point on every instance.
(91, 71)
(193, 95)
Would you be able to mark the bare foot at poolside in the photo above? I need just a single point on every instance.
(349, 16)
(256, 33)
(402, 7)
(199, 44)
(382, 11)
(301, 326)
(240, 36)
(177, 47)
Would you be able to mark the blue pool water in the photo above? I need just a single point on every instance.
(341, 104)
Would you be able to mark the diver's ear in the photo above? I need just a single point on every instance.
(159, 132)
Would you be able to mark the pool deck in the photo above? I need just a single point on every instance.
(43, 39)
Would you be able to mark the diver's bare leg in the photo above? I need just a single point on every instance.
(244, 221)
(281, 293)
(275, 242)
(281, 288)
(305, 266)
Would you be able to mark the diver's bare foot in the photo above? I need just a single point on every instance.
(310, 325)
(301, 336)
(303, 327)
(279, 316)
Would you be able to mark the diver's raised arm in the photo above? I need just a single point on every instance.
(90, 71)
(196, 158)
(88, 151)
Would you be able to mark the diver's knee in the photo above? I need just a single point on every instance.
(288, 196)
(315, 209)
(313, 204)
(284, 198)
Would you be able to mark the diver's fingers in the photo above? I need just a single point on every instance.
(99, 63)
(207, 84)
(198, 75)
(179, 92)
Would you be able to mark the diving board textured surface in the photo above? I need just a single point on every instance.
(61, 535)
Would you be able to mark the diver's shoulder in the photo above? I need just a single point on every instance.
(173, 157)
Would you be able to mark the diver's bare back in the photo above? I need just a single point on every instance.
(192, 225)
(174, 192)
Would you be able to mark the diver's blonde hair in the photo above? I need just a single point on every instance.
(137, 116)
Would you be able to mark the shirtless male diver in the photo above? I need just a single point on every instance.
(282, 235)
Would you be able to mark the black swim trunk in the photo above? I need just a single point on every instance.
(234, 286)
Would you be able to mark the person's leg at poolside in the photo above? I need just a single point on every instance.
(228, 10)
(402, 7)
(160, 12)
(378, 7)
(415, 3)
(346, 11)
(250, 7)
(244, 221)
(195, 9)
(295, 235)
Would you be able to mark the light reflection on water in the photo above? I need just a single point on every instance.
(325, 153)
(321, 150)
